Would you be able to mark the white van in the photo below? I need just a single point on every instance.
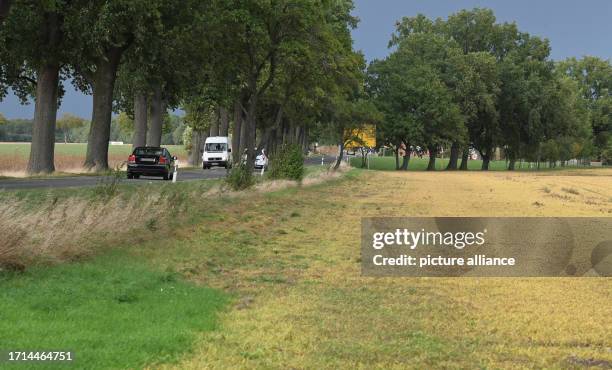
(217, 152)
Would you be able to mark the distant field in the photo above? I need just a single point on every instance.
(420, 164)
(68, 157)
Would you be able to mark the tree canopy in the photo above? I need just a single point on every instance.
(276, 72)
(470, 82)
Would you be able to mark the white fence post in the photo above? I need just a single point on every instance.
(175, 174)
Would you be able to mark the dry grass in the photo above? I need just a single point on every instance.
(61, 230)
(303, 303)
(70, 228)
(16, 164)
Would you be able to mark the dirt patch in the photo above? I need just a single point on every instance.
(589, 362)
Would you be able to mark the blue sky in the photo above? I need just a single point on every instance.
(575, 28)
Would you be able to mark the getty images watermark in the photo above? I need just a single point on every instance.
(486, 246)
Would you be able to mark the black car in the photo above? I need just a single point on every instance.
(150, 161)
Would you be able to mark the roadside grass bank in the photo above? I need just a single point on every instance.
(420, 164)
(55, 225)
(69, 158)
(111, 312)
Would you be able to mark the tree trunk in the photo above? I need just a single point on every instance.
(431, 166)
(216, 124)
(45, 112)
(301, 136)
(305, 140)
(197, 141)
(465, 157)
(454, 157)
(397, 164)
(486, 159)
(158, 109)
(237, 133)
(264, 139)
(140, 120)
(214, 129)
(340, 155)
(249, 142)
(284, 134)
(223, 121)
(406, 159)
(5, 6)
(99, 132)
(512, 164)
(243, 135)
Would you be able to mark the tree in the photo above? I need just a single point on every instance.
(350, 118)
(199, 117)
(388, 86)
(68, 122)
(263, 34)
(105, 31)
(594, 77)
(35, 48)
(413, 87)
(469, 42)
(161, 73)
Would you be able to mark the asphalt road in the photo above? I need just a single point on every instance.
(79, 181)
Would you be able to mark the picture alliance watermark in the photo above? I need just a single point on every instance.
(479, 246)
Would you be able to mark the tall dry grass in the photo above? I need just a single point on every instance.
(55, 230)
(72, 228)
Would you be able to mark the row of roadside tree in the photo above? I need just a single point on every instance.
(269, 70)
(470, 82)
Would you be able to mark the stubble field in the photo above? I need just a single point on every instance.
(303, 303)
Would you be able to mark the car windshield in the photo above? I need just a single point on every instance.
(149, 151)
(216, 147)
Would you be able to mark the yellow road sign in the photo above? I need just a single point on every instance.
(364, 136)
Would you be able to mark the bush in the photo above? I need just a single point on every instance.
(288, 163)
(240, 178)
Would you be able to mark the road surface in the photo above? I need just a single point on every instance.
(78, 181)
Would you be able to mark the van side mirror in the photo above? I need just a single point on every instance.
(229, 150)
(174, 158)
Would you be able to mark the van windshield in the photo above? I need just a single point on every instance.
(216, 147)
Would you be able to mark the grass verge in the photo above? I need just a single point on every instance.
(112, 312)
(420, 164)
